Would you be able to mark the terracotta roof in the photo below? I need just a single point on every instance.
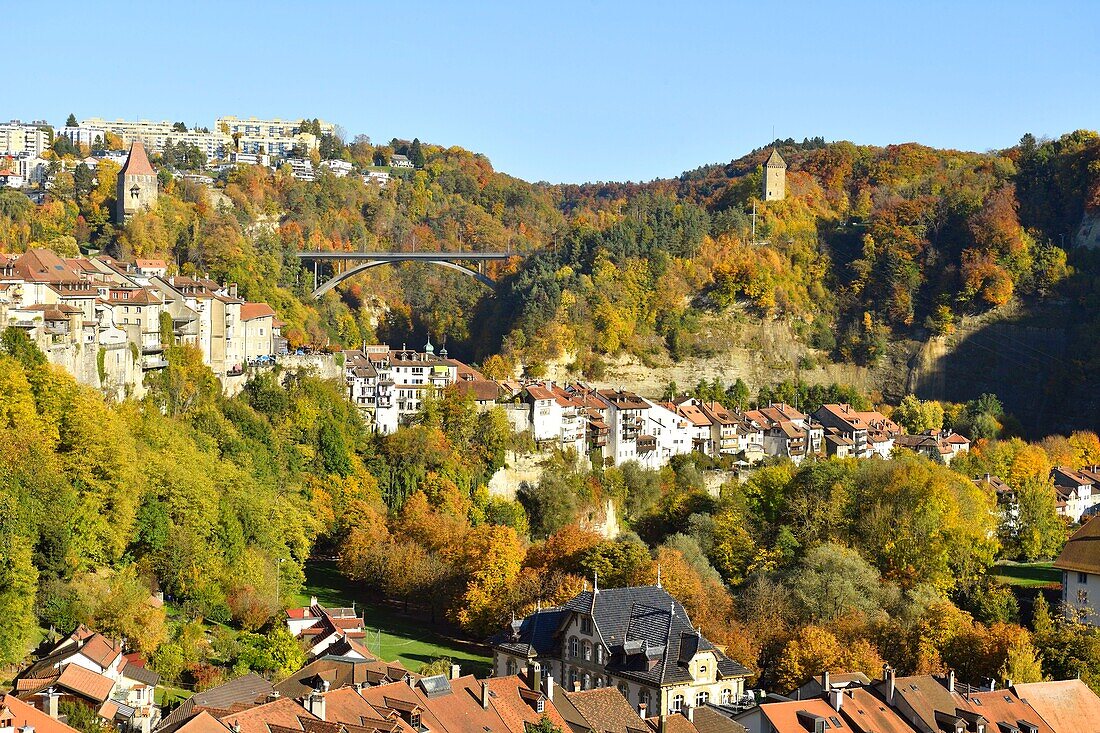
(483, 390)
(515, 703)
(100, 649)
(85, 682)
(1067, 706)
(137, 162)
(204, 722)
(250, 311)
(709, 720)
(784, 716)
(151, 264)
(249, 689)
(43, 265)
(866, 713)
(1082, 551)
(24, 714)
(1004, 706)
(284, 712)
(604, 709)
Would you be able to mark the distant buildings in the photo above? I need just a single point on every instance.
(19, 139)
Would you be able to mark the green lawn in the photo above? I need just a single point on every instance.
(390, 634)
(1028, 575)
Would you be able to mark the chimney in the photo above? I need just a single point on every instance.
(836, 699)
(641, 710)
(577, 686)
(52, 698)
(317, 705)
(456, 671)
(891, 681)
(534, 675)
(825, 681)
(689, 713)
(485, 695)
(550, 687)
(951, 680)
(273, 696)
(313, 600)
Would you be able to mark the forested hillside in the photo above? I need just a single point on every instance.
(871, 246)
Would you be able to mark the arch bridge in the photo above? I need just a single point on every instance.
(350, 264)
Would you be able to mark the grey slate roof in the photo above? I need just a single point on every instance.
(648, 634)
(247, 689)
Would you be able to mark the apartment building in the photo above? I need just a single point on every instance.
(17, 138)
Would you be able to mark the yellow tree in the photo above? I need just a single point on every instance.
(492, 562)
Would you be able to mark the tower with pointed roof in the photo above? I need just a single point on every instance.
(775, 177)
(137, 185)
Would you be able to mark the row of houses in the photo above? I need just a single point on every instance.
(389, 386)
(108, 322)
(1077, 493)
(87, 668)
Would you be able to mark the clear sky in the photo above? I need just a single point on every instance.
(574, 91)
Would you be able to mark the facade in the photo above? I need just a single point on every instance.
(788, 433)
(775, 177)
(870, 432)
(254, 127)
(137, 185)
(17, 138)
(1077, 491)
(1079, 562)
(637, 640)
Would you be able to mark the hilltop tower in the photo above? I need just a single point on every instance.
(137, 185)
(775, 177)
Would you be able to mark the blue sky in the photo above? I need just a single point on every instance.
(584, 91)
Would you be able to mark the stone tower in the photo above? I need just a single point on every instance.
(137, 185)
(775, 177)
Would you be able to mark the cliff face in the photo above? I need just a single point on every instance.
(1024, 357)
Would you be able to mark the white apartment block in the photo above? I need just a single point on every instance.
(17, 138)
(253, 127)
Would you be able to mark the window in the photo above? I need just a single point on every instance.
(574, 646)
(701, 699)
(511, 666)
(727, 696)
(587, 682)
(623, 689)
(540, 705)
(1083, 578)
(414, 721)
(677, 704)
(599, 654)
(702, 670)
(586, 625)
(587, 652)
(572, 679)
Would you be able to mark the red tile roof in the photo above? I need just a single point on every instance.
(250, 311)
(24, 714)
(85, 682)
(137, 162)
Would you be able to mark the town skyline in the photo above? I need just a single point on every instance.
(524, 86)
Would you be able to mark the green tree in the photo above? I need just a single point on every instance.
(70, 121)
(835, 581)
(18, 583)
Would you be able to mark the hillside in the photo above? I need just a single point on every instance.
(910, 268)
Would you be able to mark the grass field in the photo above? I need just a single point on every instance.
(390, 634)
(1028, 575)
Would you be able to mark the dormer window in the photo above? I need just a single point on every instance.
(414, 721)
(540, 705)
(586, 625)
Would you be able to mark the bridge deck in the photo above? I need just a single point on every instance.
(394, 256)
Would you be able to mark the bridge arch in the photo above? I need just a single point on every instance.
(348, 274)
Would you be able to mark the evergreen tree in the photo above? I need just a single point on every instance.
(416, 155)
(71, 120)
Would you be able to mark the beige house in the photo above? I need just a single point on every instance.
(638, 640)
(1079, 562)
(258, 330)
